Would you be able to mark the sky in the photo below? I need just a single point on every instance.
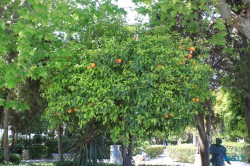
(128, 5)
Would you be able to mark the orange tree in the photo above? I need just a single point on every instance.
(132, 86)
(31, 35)
(201, 22)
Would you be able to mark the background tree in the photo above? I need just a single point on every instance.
(18, 61)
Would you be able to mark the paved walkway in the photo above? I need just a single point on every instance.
(155, 161)
(166, 161)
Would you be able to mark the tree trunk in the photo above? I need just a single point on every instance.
(203, 142)
(240, 22)
(247, 112)
(127, 153)
(5, 134)
(60, 152)
(208, 122)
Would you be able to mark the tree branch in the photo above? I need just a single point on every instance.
(239, 22)
(8, 21)
(225, 11)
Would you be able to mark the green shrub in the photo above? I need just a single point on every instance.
(14, 158)
(19, 149)
(1, 157)
(66, 144)
(74, 163)
(38, 164)
(108, 164)
(140, 146)
(66, 163)
(238, 151)
(106, 152)
(37, 139)
(37, 151)
(247, 153)
(154, 150)
(52, 146)
(182, 153)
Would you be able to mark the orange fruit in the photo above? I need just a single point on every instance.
(93, 65)
(75, 109)
(171, 114)
(69, 111)
(166, 116)
(191, 49)
(181, 63)
(193, 63)
(193, 99)
(119, 60)
(185, 59)
(88, 67)
(180, 47)
(197, 100)
(190, 55)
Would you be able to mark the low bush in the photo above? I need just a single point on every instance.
(182, 153)
(154, 150)
(37, 139)
(66, 163)
(74, 163)
(247, 153)
(37, 151)
(238, 151)
(14, 158)
(52, 146)
(139, 147)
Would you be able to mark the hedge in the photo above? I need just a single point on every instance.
(184, 153)
(154, 150)
(14, 158)
(37, 151)
(238, 151)
(52, 146)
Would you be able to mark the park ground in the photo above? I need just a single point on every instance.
(167, 161)
(155, 161)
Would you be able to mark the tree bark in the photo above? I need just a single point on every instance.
(203, 142)
(6, 132)
(60, 152)
(127, 153)
(239, 22)
(247, 112)
(208, 122)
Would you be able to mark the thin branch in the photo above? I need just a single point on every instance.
(224, 9)
(7, 21)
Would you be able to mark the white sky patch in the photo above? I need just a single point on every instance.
(132, 15)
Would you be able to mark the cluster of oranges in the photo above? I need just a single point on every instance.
(93, 65)
(168, 115)
(189, 56)
(195, 100)
(70, 110)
